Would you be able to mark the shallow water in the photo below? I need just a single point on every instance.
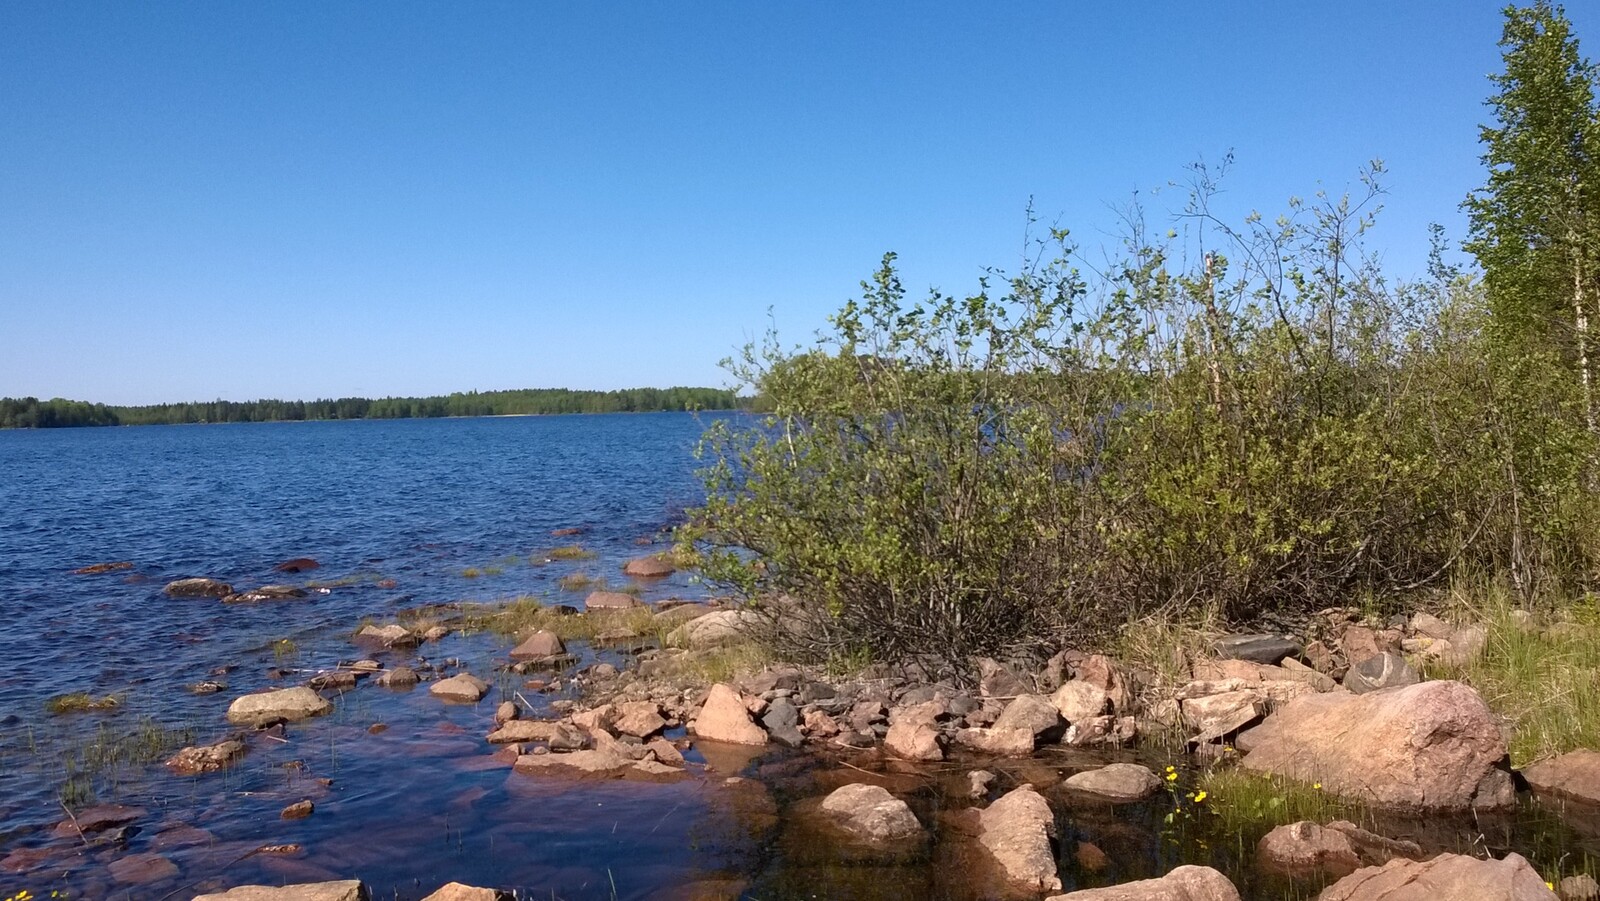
(424, 801)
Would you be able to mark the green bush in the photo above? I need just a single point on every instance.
(1245, 418)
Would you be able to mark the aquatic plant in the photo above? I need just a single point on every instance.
(80, 702)
(575, 582)
(571, 552)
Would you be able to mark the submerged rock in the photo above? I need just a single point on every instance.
(1304, 849)
(455, 891)
(1187, 883)
(344, 890)
(206, 758)
(198, 588)
(290, 704)
(1116, 782)
(1016, 831)
(871, 813)
(1574, 776)
(99, 568)
(297, 565)
(1448, 876)
(141, 869)
(265, 593)
(1432, 747)
(390, 636)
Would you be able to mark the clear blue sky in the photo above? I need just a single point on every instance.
(202, 200)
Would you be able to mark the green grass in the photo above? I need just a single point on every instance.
(284, 649)
(576, 582)
(571, 552)
(1543, 678)
(81, 702)
(1253, 804)
(527, 614)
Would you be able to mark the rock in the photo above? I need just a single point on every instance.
(455, 891)
(141, 869)
(1103, 673)
(437, 633)
(1361, 644)
(820, 725)
(607, 762)
(1574, 776)
(782, 722)
(462, 687)
(996, 680)
(1090, 858)
(1186, 883)
(393, 635)
(1449, 876)
(1079, 700)
(1222, 714)
(198, 588)
(1321, 658)
(978, 783)
(206, 758)
(1433, 747)
(99, 568)
(1268, 649)
(1033, 713)
(640, 719)
(265, 593)
(297, 565)
(335, 681)
(97, 819)
(289, 704)
(207, 687)
(715, 628)
(999, 742)
(1382, 670)
(665, 751)
(1306, 850)
(1016, 830)
(519, 731)
(345, 890)
(725, 718)
(299, 810)
(506, 712)
(1582, 887)
(1464, 645)
(611, 600)
(1116, 782)
(1429, 626)
(1375, 850)
(649, 568)
(399, 677)
(538, 646)
(871, 813)
(913, 739)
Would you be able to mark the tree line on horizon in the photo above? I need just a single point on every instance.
(31, 412)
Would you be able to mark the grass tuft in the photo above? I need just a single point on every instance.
(571, 552)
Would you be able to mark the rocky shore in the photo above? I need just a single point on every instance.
(1346, 713)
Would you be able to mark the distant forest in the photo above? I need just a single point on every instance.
(32, 413)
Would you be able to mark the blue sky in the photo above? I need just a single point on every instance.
(202, 200)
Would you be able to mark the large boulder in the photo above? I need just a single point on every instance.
(1186, 883)
(1116, 782)
(1574, 776)
(1432, 747)
(290, 704)
(871, 813)
(1449, 876)
(914, 733)
(724, 717)
(344, 890)
(1016, 831)
(715, 628)
(198, 588)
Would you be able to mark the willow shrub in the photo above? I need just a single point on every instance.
(1260, 434)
